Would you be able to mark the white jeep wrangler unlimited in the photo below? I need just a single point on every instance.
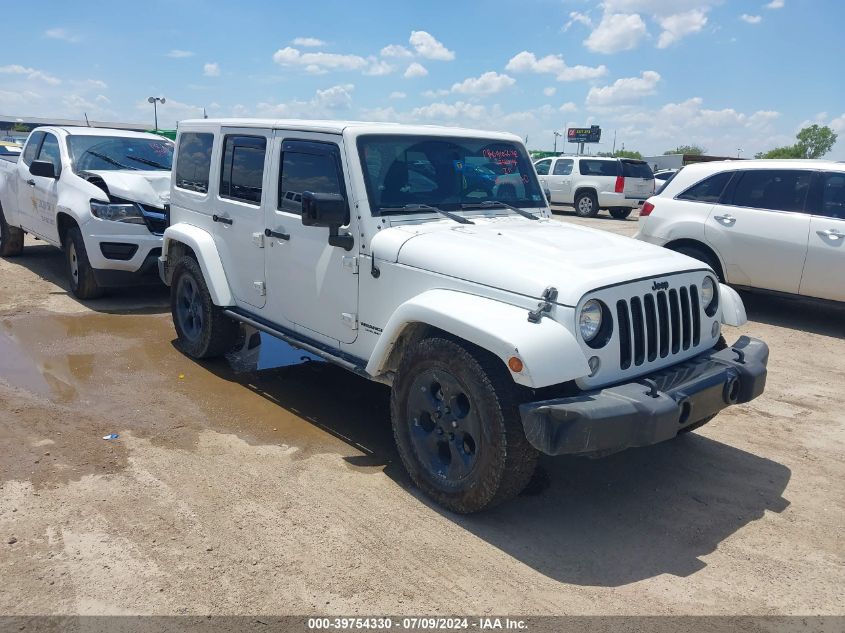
(502, 332)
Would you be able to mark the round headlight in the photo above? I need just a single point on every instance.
(708, 296)
(589, 321)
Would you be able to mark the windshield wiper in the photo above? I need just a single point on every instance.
(109, 159)
(489, 204)
(427, 207)
(146, 161)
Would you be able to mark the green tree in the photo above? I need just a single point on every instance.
(627, 153)
(812, 142)
(695, 150)
(20, 127)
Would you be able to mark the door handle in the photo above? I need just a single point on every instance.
(727, 218)
(832, 234)
(30, 182)
(276, 234)
(222, 220)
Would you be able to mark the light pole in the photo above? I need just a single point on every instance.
(738, 151)
(155, 101)
(556, 135)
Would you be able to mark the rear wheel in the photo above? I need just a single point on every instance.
(586, 205)
(203, 330)
(11, 238)
(80, 273)
(457, 426)
(620, 213)
(701, 255)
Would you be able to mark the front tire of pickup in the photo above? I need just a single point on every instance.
(202, 329)
(457, 426)
(80, 274)
(586, 204)
(11, 238)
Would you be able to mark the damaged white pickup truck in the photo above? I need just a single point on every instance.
(427, 259)
(99, 194)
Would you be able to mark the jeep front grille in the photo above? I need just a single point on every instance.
(658, 324)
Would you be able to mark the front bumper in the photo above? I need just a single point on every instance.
(651, 409)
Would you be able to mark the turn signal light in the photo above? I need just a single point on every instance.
(620, 184)
(515, 364)
(646, 209)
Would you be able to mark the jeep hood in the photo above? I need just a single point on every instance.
(146, 187)
(526, 257)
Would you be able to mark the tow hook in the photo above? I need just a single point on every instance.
(545, 306)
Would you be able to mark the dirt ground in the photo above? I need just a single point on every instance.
(279, 491)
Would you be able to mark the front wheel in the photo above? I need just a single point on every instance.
(11, 238)
(620, 213)
(586, 205)
(457, 426)
(83, 284)
(202, 328)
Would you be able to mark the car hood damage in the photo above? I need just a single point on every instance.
(145, 187)
(526, 257)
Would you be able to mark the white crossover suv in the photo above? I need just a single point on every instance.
(777, 225)
(591, 183)
(501, 332)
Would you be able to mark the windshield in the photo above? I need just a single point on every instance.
(118, 152)
(445, 172)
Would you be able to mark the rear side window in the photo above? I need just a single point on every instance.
(775, 189)
(32, 147)
(708, 190)
(831, 189)
(636, 169)
(310, 167)
(193, 161)
(542, 167)
(563, 167)
(599, 168)
(243, 168)
(51, 153)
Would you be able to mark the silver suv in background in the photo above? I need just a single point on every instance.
(592, 183)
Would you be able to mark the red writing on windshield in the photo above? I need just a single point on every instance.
(506, 158)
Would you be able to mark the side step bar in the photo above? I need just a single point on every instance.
(296, 342)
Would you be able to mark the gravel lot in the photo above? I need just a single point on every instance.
(279, 491)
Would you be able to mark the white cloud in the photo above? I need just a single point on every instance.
(31, 73)
(525, 62)
(550, 91)
(617, 32)
(335, 98)
(427, 46)
(322, 104)
(487, 84)
(775, 4)
(169, 113)
(450, 111)
(397, 95)
(378, 67)
(680, 25)
(317, 63)
(211, 69)
(308, 42)
(576, 17)
(179, 54)
(435, 94)
(415, 70)
(395, 50)
(568, 107)
(102, 99)
(63, 34)
(751, 19)
(626, 90)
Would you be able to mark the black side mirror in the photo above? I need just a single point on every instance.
(43, 168)
(328, 210)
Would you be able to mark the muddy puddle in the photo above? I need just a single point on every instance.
(125, 373)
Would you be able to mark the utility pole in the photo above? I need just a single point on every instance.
(614, 142)
(556, 135)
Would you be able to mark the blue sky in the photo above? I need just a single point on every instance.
(726, 74)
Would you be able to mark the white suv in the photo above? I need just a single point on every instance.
(778, 225)
(591, 183)
(501, 332)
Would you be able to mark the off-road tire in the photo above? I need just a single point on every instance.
(620, 213)
(504, 460)
(80, 274)
(212, 334)
(586, 205)
(701, 255)
(11, 238)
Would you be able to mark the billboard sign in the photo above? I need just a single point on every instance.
(584, 134)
